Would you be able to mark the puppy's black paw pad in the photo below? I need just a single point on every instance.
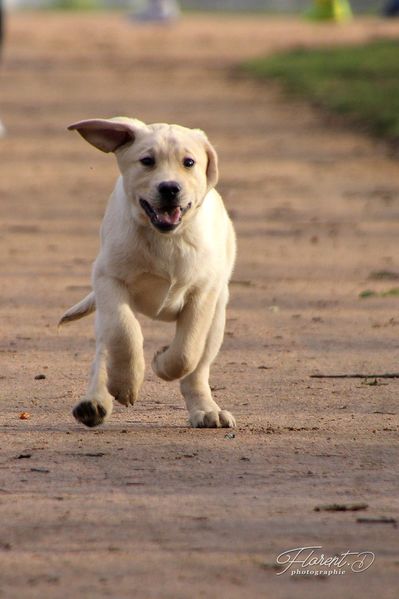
(89, 413)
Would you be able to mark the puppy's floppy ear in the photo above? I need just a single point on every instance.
(212, 171)
(107, 134)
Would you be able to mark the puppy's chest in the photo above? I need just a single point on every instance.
(156, 297)
(159, 276)
(159, 288)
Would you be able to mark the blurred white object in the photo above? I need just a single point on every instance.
(159, 10)
(2, 130)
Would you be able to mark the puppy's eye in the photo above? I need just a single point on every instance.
(188, 162)
(147, 161)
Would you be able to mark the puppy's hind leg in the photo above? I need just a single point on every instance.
(204, 412)
(118, 370)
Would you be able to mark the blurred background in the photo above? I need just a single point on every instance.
(278, 6)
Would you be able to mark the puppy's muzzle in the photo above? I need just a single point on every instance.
(167, 213)
(169, 191)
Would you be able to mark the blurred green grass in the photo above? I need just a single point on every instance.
(76, 5)
(360, 82)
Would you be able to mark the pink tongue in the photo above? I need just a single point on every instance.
(171, 218)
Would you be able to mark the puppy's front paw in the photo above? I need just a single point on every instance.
(212, 419)
(90, 412)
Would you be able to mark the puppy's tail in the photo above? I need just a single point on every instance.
(83, 308)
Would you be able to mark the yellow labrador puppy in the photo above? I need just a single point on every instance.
(167, 251)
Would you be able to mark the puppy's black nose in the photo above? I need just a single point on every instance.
(169, 190)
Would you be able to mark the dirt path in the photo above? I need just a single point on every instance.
(145, 507)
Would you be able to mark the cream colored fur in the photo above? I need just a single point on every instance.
(181, 275)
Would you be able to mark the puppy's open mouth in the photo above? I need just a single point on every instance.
(164, 220)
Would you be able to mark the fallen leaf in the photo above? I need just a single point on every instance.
(24, 416)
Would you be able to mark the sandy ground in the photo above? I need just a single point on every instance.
(144, 506)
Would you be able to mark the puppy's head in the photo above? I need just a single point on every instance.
(167, 170)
